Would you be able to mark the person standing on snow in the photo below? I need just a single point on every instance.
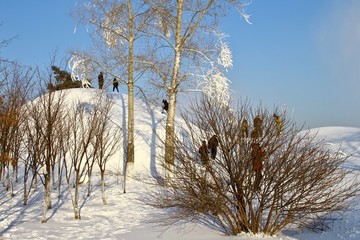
(101, 80)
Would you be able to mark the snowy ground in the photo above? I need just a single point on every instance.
(127, 217)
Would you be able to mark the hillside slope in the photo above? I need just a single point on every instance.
(126, 216)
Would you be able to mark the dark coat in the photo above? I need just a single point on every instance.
(203, 151)
(213, 144)
(101, 80)
(257, 154)
(165, 105)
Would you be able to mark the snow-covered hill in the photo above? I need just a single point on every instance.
(125, 216)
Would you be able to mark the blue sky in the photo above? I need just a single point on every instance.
(303, 55)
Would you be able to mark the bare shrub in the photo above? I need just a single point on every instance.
(295, 181)
(89, 139)
(15, 88)
(43, 131)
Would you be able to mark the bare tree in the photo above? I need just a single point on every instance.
(45, 114)
(64, 141)
(106, 141)
(33, 142)
(14, 92)
(31, 161)
(31, 164)
(4, 43)
(87, 123)
(258, 183)
(81, 135)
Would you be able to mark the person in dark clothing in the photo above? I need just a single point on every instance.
(213, 144)
(115, 85)
(257, 154)
(101, 80)
(165, 106)
(204, 155)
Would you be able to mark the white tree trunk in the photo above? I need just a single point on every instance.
(103, 187)
(7, 178)
(47, 197)
(75, 198)
(89, 184)
(25, 189)
(130, 144)
(170, 121)
(76, 202)
(11, 185)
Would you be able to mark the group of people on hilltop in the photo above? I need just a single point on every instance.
(257, 151)
(101, 82)
(165, 104)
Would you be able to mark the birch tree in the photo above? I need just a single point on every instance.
(175, 44)
(115, 27)
(190, 52)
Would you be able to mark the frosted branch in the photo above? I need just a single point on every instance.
(225, 57)
(242, 12)
(216, 87)
(112, 28)
(81, 70)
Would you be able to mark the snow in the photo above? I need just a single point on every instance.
(126, 216)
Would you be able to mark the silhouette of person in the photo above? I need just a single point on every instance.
(204, 155)
(257, 154)
(165, 106)
(101, 80)
(213, 144)
(115, 85)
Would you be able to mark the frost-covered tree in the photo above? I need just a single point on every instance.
(215, 84)
(176, 45)
(81, 70)
(188, 52)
